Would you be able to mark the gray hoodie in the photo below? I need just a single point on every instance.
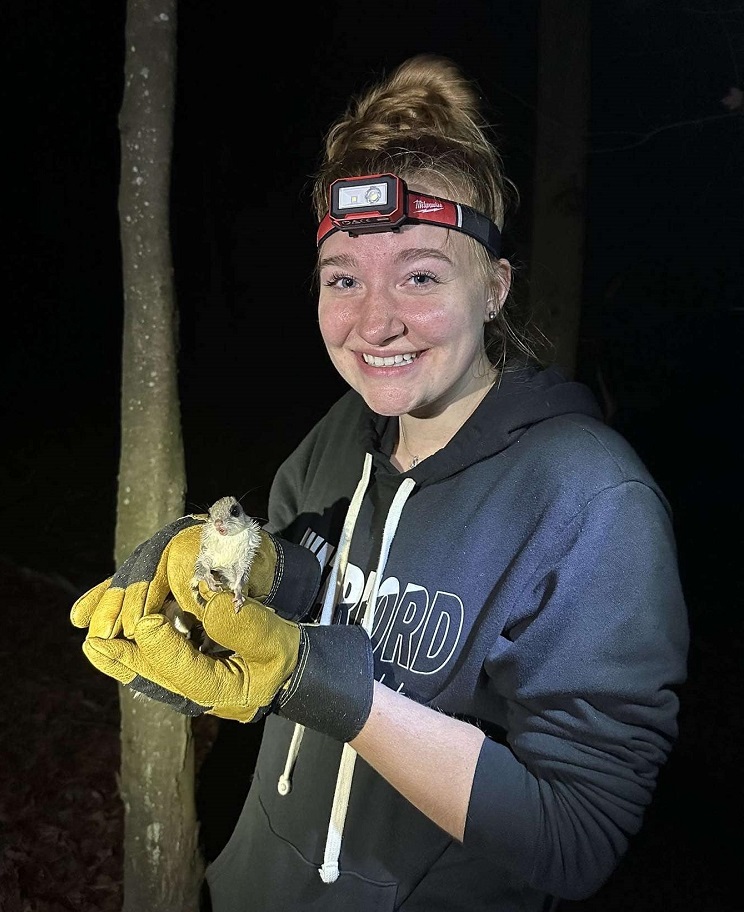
(530, 587)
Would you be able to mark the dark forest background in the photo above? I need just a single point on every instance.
(662, 317)
(662, 309)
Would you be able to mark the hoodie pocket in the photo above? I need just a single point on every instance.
(259, 871)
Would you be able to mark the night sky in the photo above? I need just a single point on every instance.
(662, 314)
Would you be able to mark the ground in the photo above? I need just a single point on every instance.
(61, 818)
(59, 744)
(60, 815)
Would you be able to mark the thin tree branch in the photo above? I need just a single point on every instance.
(645, 137)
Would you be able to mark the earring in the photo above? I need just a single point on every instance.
(491, 314)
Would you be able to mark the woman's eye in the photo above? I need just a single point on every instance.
(423, 278)
(339, 281)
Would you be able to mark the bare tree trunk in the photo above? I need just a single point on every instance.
(557, 259)
(162, 868)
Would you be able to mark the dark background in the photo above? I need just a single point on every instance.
(662, 311)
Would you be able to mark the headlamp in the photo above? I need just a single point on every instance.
(383, 202)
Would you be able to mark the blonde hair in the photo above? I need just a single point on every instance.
(426, 123)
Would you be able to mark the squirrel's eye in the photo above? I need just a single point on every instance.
(235, 510)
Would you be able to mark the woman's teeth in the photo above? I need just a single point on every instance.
(388, 362)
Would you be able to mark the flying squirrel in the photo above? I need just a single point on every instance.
(229, 542)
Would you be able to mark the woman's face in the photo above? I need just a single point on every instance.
(402, 314)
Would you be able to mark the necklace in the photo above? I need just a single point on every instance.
(415, 460)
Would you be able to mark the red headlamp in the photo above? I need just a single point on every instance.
(383, 202)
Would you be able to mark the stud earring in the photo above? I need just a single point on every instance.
(491, 314)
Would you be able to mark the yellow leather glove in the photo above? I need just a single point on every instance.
(283, 574)
(264, 655)
(321, 677)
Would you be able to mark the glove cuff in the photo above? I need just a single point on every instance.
(331, 689)
(295, 581)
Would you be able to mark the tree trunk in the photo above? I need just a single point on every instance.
(162, 868)
(557, 258)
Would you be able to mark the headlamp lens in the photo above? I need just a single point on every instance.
(374, 194)
(364, 195)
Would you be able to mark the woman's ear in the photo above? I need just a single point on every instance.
(502, 276)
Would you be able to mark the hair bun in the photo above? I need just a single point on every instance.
(424, 121)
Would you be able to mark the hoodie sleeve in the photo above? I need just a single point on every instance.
(587, 674)
(299, 499)
(297, 567)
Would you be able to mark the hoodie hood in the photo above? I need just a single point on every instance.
(519, 399)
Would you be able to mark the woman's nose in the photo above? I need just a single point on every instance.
(378, 319)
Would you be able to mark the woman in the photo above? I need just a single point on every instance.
(483, 678)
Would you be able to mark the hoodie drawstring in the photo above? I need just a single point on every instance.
(332, 595)
(333, 592)
(284, 785)
(329, 869)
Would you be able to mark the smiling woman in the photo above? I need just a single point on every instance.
(491, 617)
(402, 316)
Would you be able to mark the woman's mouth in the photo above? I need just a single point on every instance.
(390, 361)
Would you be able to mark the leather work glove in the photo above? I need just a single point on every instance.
(319, 676)
(283, 574)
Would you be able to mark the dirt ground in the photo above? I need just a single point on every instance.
(59, 747)
(61, 818)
